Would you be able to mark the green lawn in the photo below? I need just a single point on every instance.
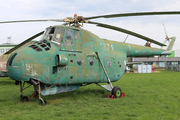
(148, 96)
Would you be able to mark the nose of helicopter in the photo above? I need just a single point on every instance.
(15, 66)
(31, 60)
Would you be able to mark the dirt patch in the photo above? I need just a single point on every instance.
(132, 72)
(137, 72)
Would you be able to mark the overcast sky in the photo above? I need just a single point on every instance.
(150, 26)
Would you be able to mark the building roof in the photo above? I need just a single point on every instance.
(156, 59)
(8, 45)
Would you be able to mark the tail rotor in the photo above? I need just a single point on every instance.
(170, 40)
(167, 38)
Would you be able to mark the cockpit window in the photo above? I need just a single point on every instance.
(46, 33)
(58, 35)
(51, 33)
(54, 34)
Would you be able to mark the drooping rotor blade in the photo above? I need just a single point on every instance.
(55, 20)
(24, 42)
(133, 14)
(127, 32)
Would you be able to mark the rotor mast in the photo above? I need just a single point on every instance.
(75, 21)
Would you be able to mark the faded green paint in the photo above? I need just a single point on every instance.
(171, 43)
(42, 65)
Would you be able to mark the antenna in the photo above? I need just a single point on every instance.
(9, 40)
(126, 38)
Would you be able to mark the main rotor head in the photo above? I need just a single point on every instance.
(75, 21)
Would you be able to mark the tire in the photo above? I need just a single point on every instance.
(24, 99)
(16, 82)
(116, 91)
(41, 102)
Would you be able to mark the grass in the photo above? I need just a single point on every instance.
(151, 96)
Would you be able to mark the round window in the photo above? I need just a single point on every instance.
(79, 61)
(91, 61)
(109, 64)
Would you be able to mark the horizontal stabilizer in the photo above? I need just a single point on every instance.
(166, 53)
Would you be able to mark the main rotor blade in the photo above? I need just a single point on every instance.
(133, 14)
(24, 42)
(56, 20)
(127, 32)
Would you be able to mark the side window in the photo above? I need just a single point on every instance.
(58, 35)
(71, 40)
(68, 38)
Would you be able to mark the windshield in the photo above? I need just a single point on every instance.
(46, 33)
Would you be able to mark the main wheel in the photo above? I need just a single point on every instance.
(24, 99)
(42, 103)
(116, 91)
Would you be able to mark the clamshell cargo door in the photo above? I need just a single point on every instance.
(109, 64)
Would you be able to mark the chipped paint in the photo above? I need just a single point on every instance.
(40, 64)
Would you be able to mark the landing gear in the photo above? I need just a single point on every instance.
(16, 82)
(116, 91)
(24, 99)
(42, 102)
(36, 94)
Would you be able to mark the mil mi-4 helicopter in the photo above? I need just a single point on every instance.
(68, 57)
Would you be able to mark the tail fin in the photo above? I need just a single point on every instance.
(169, 48)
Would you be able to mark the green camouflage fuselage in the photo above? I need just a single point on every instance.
(81, 65)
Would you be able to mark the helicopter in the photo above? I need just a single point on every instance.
(68, 57)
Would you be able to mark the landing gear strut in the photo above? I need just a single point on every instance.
(23, 98)
(42, 102)
(115, 91)
(36, 94)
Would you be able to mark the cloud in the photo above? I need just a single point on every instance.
(150, 26)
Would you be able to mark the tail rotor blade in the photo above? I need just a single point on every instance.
(167, 38)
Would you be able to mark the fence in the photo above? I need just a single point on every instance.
(173, 68)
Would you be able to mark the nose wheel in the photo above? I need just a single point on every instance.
(24, 99)
(42, 102)
(36, 94)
